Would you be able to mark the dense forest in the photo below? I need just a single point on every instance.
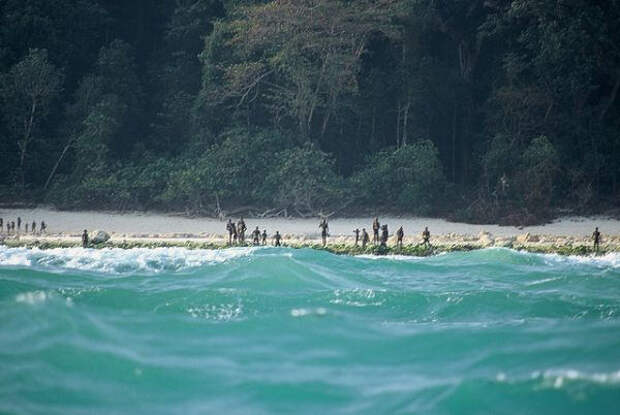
(481, 110)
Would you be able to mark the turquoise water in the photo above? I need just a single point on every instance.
(270, 330)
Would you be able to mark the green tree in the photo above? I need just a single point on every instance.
(29, 90)
(410, 178)
(303, 181)
(540, 168)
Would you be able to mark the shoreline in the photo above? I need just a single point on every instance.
(146, 224)
(568, 235)
(341, 246)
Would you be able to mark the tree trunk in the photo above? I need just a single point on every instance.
(405, 119)
(317, 90)
(325, 122)
(53, 172)
(24, 145)
(330, 109)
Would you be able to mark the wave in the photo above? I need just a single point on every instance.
(118, 261)
(507, 255)
(398, 334)
(158, 260)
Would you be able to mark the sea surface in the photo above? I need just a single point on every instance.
(267, 330)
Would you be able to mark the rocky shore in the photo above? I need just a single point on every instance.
(342, 244)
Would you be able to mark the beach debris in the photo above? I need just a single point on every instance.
(486, 238)
(527, 238)
(99, 237)
(505, 242)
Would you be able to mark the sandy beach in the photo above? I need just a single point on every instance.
(128, 226)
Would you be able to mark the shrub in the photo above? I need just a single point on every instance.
(304, 179)
(412, 175)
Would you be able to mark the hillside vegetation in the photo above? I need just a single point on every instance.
(480, 110)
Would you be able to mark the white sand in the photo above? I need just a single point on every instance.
(154, 225)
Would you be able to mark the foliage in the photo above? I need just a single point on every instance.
(303, 179)
(540, 167)
(410, 178)
(310, 105)
(28, 91)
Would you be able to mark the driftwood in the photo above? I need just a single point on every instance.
(251, 211)
(273, 213)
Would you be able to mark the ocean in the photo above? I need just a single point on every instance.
(267, 330)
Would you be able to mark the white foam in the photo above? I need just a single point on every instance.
(391, 257)
(357, 297)
(119, 261)
(303, 312)
(221, 312)
(610, 259)
(32, 297)
(543, 281)
(14, 257)
(558, 377)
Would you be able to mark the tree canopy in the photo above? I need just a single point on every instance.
(482, 110)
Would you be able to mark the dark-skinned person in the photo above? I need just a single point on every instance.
(375, 230)
(399, 237)
(324, 229)
(357, 236)
(85, 239)
(596, 236)
(365, 238)
(384, 235)
(426, 237)
(256, 236)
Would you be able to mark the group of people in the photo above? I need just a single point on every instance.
(380, 235)
(15, 227)
(236, 234)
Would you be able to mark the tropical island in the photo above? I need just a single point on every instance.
(479, 111)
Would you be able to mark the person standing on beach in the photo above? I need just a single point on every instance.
(256, 236)
(596, 235)
(241, 228)
(234, 233)
(12, 226)
(324, 228)
(365, 238)
(229, 228)
(34, 227)
(19, 224)
(264, 236)
(43, 227)
(375, 231)
(384, 235)
(26, 227)
(399, 235)
(426, 237)
(357, 236)
(1, 225)
(277, 237)
(85, 239)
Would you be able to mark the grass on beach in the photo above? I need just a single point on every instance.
(417, 250)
